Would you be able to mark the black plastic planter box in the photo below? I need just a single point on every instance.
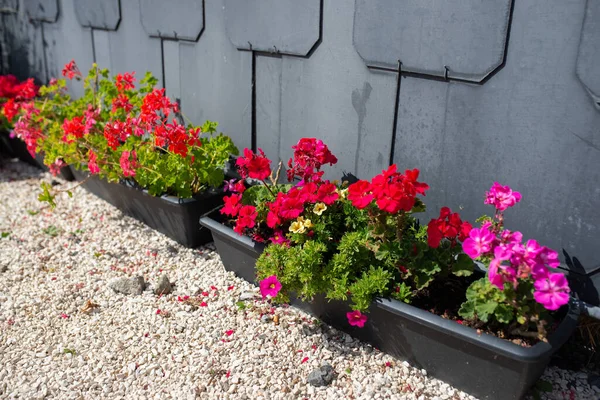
(480, 364)
(174, 217)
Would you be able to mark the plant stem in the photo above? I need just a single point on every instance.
(268, 188)
(71, 188)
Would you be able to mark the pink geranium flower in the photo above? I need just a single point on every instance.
(502, 197)
(356, 318)
(479, 242)
(552, 292)
(270, 286)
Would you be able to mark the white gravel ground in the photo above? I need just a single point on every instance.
(53, 263)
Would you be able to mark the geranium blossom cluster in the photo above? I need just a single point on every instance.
(121, 128)
(285, 207)
(448, 226)
(510, 260)
(391, 191)
(14, 95)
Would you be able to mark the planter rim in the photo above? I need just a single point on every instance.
(223, 230)
(532, 354)
(166, 197)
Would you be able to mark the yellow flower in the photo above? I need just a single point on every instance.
(297, 227)
(307, 224)
(319, 208)
(342, 192)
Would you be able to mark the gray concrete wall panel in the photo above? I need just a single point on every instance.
(175, 19)
(333, 96)
(588, 59)
(66, 40)
(9, 6)
(24, 46)
(532, 127)
(467, 36)
(130, 47)
(217, 79)
(98, 14)
(285, 26)
(268, 106)
(42, 10)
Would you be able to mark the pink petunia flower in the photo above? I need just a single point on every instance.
(552, 292)
(356, 318)
(270, 286)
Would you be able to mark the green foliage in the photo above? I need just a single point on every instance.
(4, 235)
(160, 170)
(51, 231)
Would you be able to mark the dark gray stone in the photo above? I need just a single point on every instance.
(3, 267)
(174, 19)
(588, 59)
(99, 14)
(285, 26)
(322, 376)
(468, 36)
(133, 286)
(163, 286)
(42, 10)
(594, 380)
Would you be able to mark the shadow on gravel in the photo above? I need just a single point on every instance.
(14, 170)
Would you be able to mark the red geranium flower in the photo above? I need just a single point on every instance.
(233, 204)
(359, 194)
(253, 165)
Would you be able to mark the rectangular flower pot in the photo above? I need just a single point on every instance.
(176, 218)
(479, 364)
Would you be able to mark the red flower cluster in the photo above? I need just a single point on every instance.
(125, 81)
(253, 165)
(11, 88)
(128, 163)
(174, 137)
(73, 129)
(310, 155)
(71, 70)
(15, 93)
(289, 206)
(449, 226)
(391, 190)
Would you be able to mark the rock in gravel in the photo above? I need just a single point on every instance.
(135, 285)
(321, 376)
(594, 380)
(247, 296)
(163, 286)
(3, 268)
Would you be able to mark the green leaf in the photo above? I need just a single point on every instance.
(33, 212)
(464, 265)
(467, 310)
(504, 313)
(5, 234)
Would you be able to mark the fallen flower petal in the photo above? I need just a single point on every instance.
(305, 359)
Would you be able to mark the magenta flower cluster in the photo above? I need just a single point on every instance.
(511, 259)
